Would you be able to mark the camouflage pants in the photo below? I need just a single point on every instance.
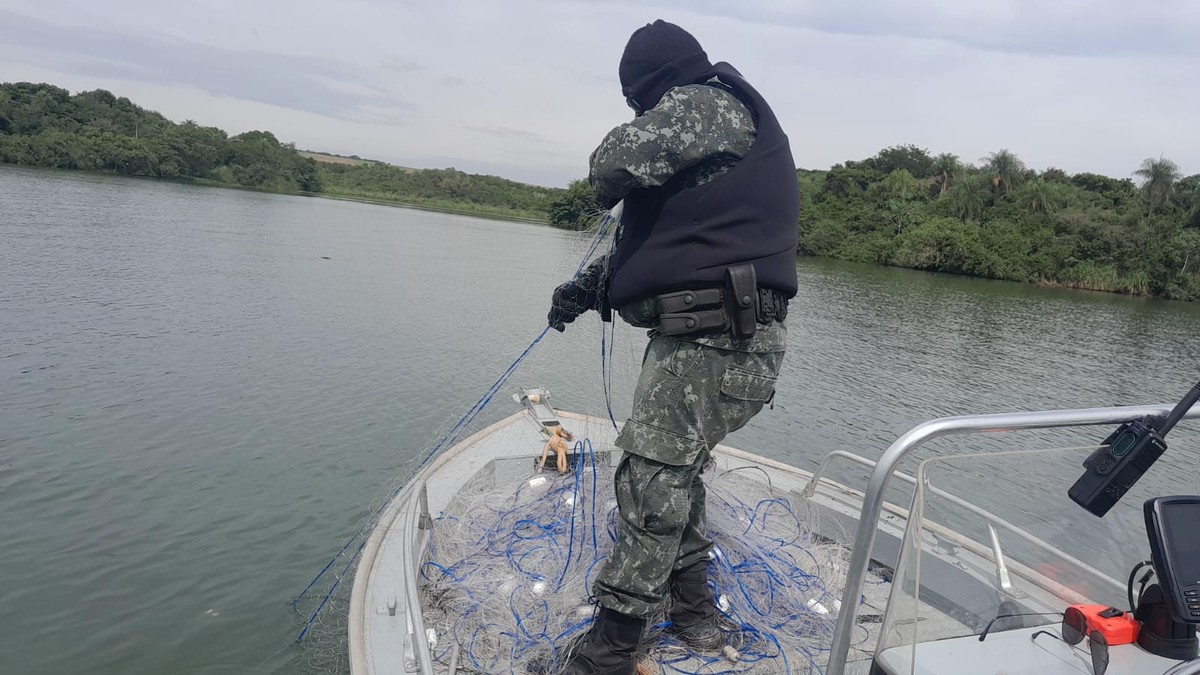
(688, 397)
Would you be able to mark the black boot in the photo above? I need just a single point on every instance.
(608, 648)
(693, 612)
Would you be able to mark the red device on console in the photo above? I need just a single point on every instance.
(1117, 627)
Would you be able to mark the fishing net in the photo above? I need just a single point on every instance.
(508, 575)
(506, 578)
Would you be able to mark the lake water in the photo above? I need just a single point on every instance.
(203, 391)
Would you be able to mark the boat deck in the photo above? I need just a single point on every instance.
(746, 492)
(422, 573)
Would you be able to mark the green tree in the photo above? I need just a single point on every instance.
(1053, 175)
(1158, 178)
(940, 245)
(911, 158)
(851, 178)
(5, 112)
(1094, 182)
(1186, 246)
(308, 175)
(128, 155)
(441, 188)
(945, 167)
(969, 195)
(1042, 196)
(574, 208)
(1005, 169)
(1116, 193)
(1187, 192)
(900, 183)
(201, 149)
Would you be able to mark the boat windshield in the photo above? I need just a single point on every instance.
(993, 542)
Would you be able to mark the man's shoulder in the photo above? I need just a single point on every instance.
(698, 95)
(698, 91)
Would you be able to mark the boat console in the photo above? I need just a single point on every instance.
(1014, 652)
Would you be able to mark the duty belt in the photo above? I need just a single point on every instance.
(704, 311)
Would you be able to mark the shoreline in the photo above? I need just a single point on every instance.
(210, 183)
(1040, 283)
(207, 182)
(422, 207)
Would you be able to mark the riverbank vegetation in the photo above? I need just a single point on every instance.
(905, 206)
(44, 125)
(1002, 220)
(997, 219)
(445, 189)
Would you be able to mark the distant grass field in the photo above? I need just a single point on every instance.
(333, 159)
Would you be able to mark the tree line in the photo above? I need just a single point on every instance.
(994, 218)
(448, 189)
(1002, 220)
(45, 125)
(997, 219)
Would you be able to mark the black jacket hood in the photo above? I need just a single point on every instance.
(660, 56)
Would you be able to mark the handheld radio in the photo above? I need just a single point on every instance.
(1124, 456)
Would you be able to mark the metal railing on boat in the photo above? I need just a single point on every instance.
(885, 468)
(988, 517)
(419, 525)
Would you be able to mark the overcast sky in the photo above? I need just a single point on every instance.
(526, 88)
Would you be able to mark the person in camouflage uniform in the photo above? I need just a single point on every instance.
(693, 389)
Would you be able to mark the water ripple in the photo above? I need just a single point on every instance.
(198, 410)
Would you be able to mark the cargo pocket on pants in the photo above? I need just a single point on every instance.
(743, 394)
(744, 385)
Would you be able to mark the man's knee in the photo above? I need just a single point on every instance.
(665, 521)
(667, 501)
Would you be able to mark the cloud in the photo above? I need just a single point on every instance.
(312, 84)
(1060, 28)
(526, 88)
(508, 132)
(541, 173)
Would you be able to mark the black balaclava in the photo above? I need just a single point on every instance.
(659, 56)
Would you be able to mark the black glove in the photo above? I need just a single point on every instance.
(583, 293)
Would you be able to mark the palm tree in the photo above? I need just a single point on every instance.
(969, 195)
(899, 183)
(1041, 196)
(1159, 177)
(945, 167)
(1006, 170)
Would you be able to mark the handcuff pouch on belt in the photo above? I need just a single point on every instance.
(734, 308)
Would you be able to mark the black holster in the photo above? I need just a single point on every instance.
(741, 300)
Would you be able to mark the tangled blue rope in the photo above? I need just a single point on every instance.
(762, 566)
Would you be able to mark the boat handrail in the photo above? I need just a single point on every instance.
(914, 438)
(983, 513)
(412, 605)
